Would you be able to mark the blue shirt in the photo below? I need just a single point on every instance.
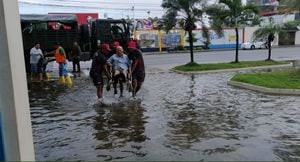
(119, 63)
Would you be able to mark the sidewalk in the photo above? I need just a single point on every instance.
(235, 69)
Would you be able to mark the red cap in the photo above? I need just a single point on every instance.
(131, 44)
(105, 46)
(116, 44)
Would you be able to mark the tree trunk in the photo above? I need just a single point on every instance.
(190, 32)
(269, 45)
(237, 46)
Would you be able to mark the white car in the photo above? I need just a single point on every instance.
(254, 45)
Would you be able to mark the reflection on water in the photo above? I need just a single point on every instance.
(120, 124)
(119, 127)
(185, 128)
(181, 117)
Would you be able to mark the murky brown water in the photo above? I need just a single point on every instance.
(181, 117)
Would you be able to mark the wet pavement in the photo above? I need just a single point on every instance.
(181, 117)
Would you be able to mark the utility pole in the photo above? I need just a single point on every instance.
(132, 9)
(148, 12)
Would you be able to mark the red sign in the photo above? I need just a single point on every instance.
(82, 17)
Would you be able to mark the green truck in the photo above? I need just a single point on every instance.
(63, 28)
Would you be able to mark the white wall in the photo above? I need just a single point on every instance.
(278, 19)
(249, 33)
(227, 41)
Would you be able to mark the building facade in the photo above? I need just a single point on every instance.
(268, 7)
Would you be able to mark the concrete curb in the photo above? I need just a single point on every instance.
(187, 51)
(274, 91)
(176, 52)
(232, 70)
(209, 50)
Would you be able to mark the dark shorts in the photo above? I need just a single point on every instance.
(36, 68)
(75, 59)
(139, 76)
(121, 77)
(98, 80)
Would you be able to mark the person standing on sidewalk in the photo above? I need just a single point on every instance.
(75, 54)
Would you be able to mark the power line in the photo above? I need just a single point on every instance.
(88, 3)
(95, 7)
(140, 11)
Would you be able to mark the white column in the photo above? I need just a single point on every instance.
(297, 38)
(14, 103)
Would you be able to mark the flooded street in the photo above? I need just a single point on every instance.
(181, 117)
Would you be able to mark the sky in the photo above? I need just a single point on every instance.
(105, 8)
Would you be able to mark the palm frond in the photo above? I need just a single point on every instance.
(263, 32)
(169, 19)
(292, 5)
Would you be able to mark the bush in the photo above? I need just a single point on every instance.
(198, 48)
(179, 48)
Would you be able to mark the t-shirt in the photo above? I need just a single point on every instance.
(35, 55)
(137, 57)
(76, 51)
(60, 55)
(61, 51)
(119, 62)
(98, 63)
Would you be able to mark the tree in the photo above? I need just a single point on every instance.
(232, 13)
(291, 24)
(268, 32)
(188, 11)
(292, 5)
(193, 37)
(205, 34)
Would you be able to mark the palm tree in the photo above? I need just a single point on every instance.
(268, 32)
(188, 11)
(292, 5)
(232, 13)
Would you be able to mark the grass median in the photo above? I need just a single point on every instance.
(286, 79)
(193, 67)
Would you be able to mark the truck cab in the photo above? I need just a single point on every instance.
(108, 31)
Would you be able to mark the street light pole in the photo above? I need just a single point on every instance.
(132, 9)
(148, 12)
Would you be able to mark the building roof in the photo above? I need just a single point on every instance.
(35, 18)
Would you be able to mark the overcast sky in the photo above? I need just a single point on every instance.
(111, 8)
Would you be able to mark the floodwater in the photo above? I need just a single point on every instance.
(181, 117)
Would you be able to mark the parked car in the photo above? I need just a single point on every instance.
(254, 45)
